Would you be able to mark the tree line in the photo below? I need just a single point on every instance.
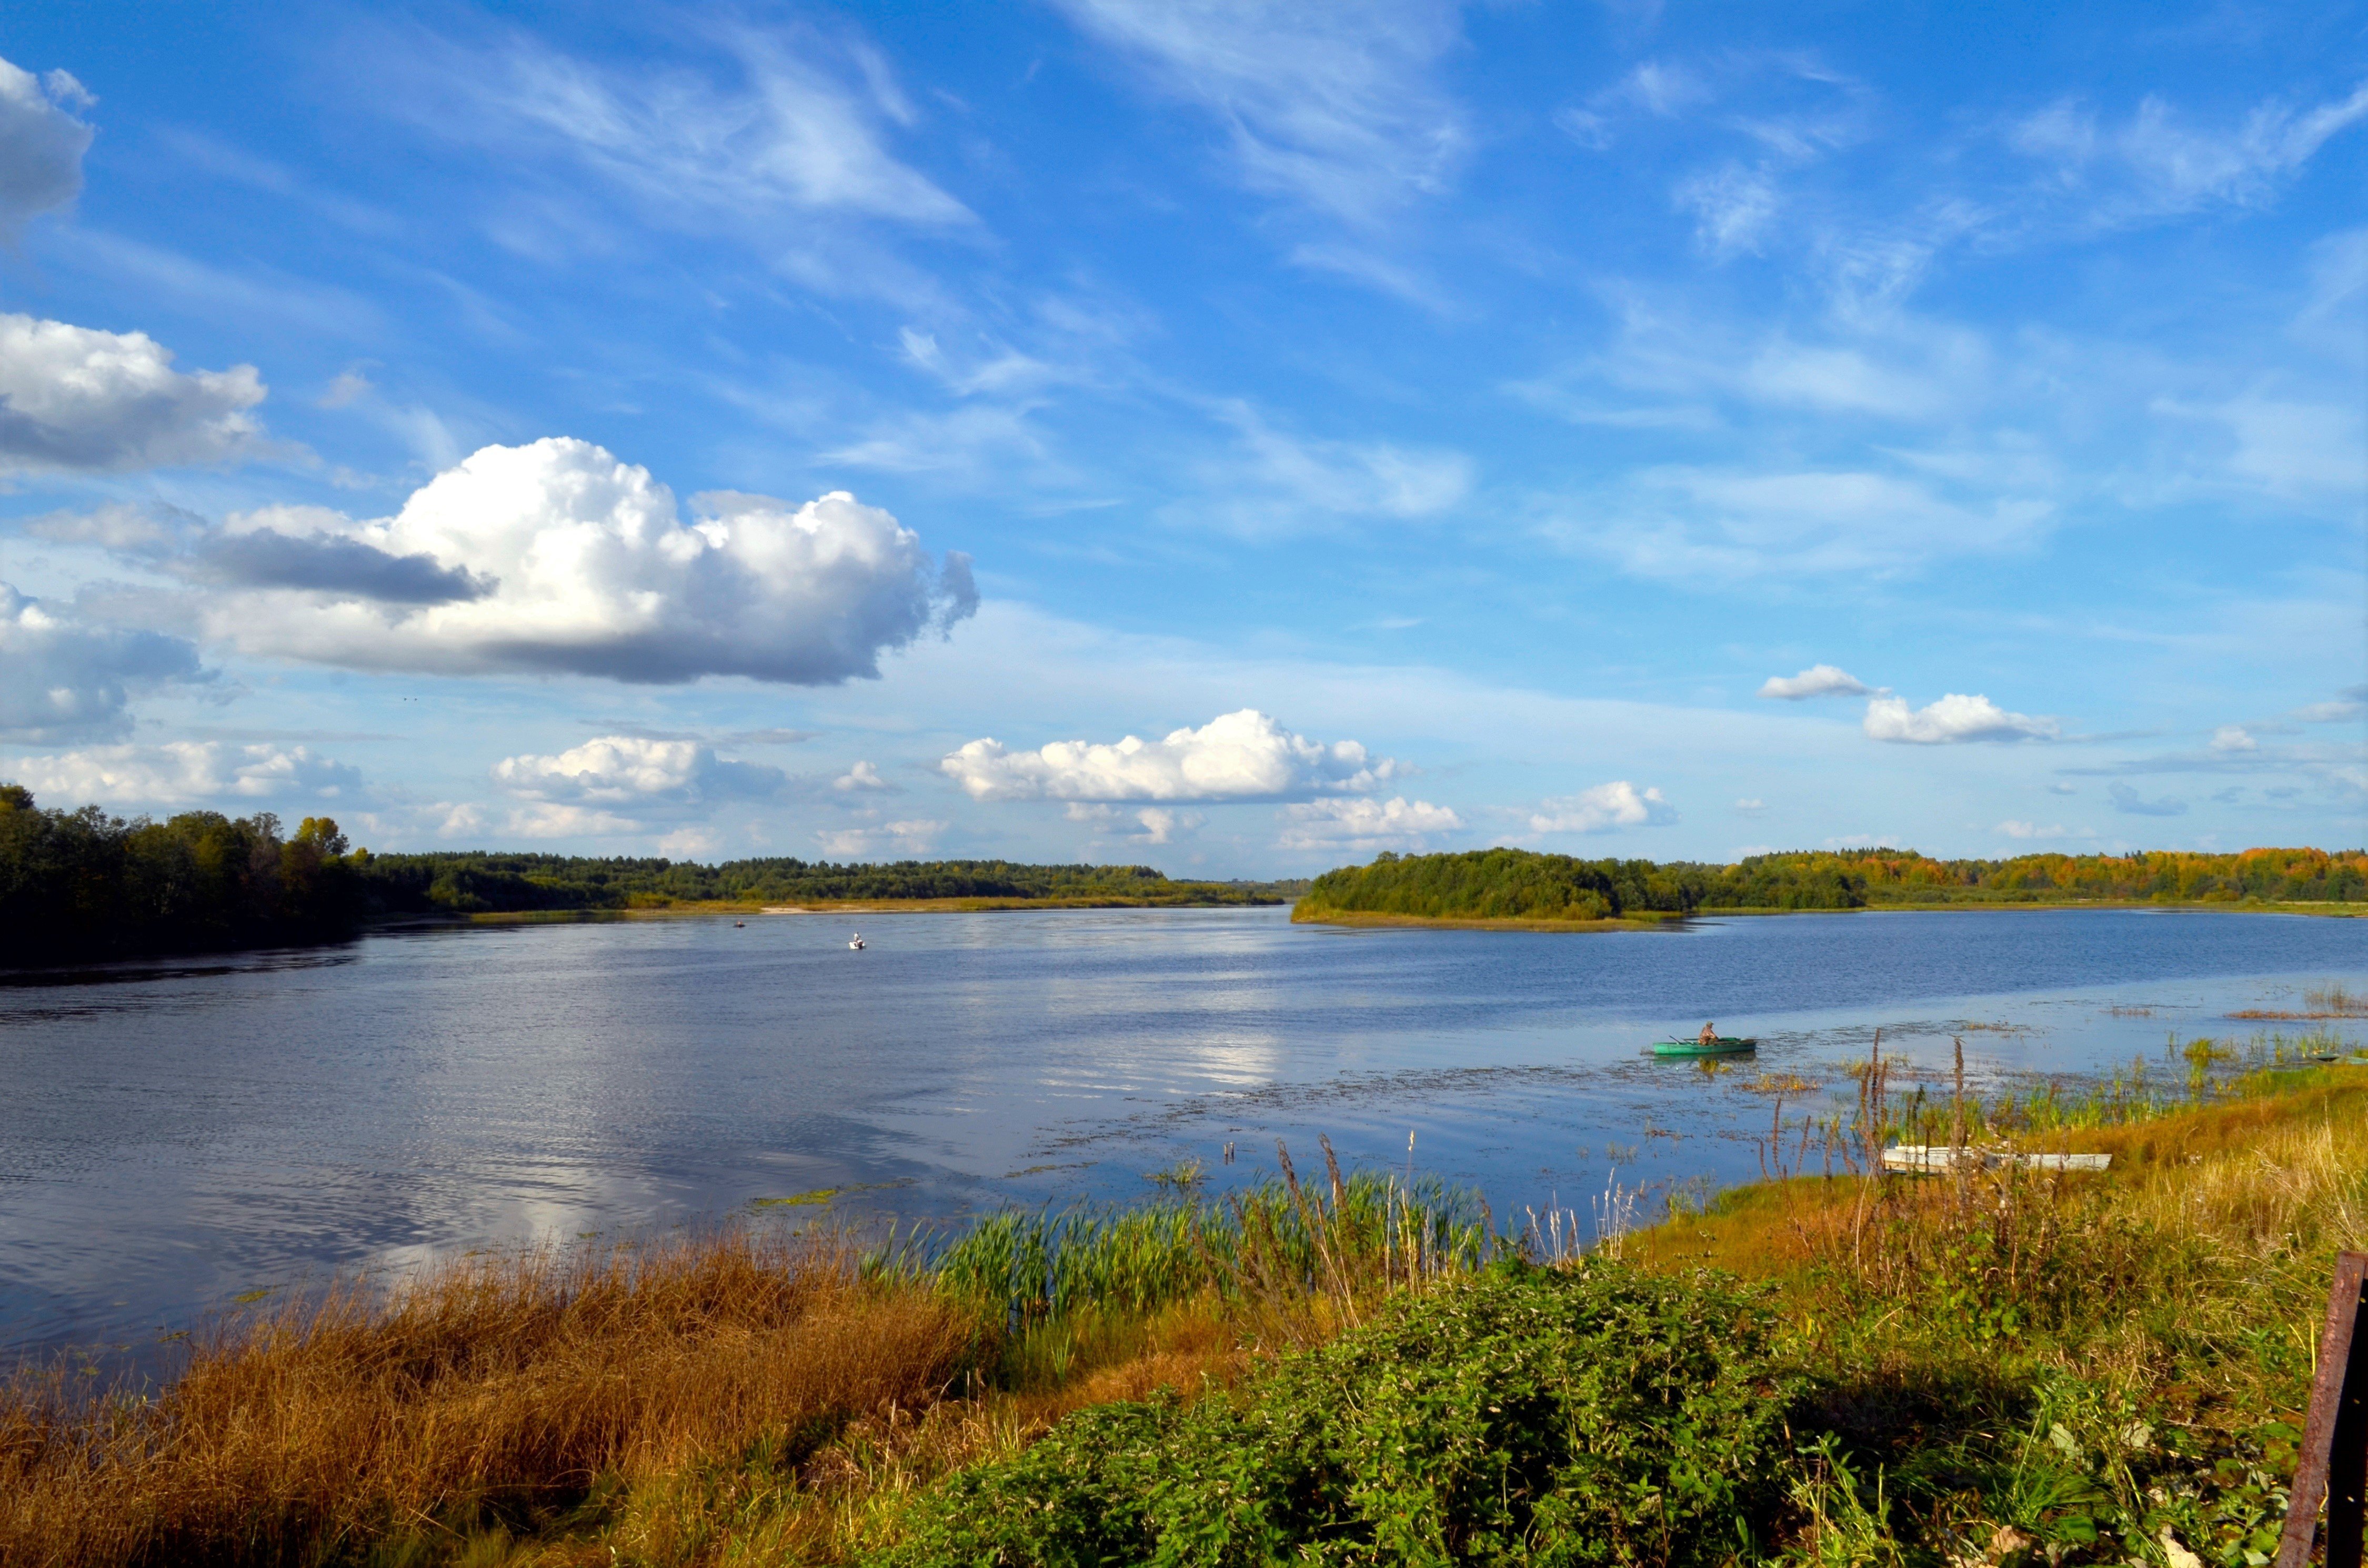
(77, 885)
(475, 880)
(81, 885)
(1518, 884)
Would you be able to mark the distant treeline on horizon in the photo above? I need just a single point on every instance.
(81, 885)
(1518, 884)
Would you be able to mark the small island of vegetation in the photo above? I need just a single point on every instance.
(1520, 889)
(81, 885)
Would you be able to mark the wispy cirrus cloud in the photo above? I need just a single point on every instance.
(1682, 521)
(769, 122)
(2129, 802)
(1334, 108)
(1274, 483)
(907, 838)
(2158, 163)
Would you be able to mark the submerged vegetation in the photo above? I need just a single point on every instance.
(1992, 1368)
(81, 885)
(1522, 886)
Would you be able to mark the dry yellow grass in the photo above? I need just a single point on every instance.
(2256, 1185)
(726, 1397)
(490, 1388)
(744, 1399)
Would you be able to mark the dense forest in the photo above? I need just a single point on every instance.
(475, 880)
(1516, 884)
(2166, 876)
(80, 885)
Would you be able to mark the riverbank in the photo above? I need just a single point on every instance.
(690, 909)
(1873, 1368)
(1304, 913)
(1369, 920)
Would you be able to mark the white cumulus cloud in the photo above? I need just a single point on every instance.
(636, 774)
(185, 773)
(909, 839)
(42, 143)
(575, 562)
(862, 778)
(1244, 756)
(1818, 680)
(1603, 808)
(63, 679)
(1161, 825)
(75, 400)
(1953, 718)
(2234, 737)
(1364, 823)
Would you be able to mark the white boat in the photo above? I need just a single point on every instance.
(857, 944)
(1920, 1159)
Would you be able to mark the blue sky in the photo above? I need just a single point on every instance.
(1229, 436)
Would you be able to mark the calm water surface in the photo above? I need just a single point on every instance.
(174, 1135)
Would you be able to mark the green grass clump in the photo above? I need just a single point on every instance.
(1586, 1414)
(1359, 1235)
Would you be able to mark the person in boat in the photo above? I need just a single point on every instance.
(1709, 1034)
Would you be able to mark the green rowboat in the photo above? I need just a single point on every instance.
(1725, 1045)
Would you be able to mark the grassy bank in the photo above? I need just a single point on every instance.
(692, 909)
(1378, 921)
(2005, 1368)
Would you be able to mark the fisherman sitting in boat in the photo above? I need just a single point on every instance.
(1709, 1034)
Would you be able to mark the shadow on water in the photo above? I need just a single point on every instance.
(142, 971)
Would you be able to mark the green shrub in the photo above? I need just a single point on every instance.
(1594, 1415)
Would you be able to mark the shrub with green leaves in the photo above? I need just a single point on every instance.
(1594, 1415)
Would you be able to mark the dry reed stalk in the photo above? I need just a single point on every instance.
(1309, 1217)
(501, 1383)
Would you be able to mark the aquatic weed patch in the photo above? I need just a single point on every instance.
(1587, 1414)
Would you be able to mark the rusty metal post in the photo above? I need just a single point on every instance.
(2334, 1464)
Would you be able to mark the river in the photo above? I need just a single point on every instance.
(179, 1135)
